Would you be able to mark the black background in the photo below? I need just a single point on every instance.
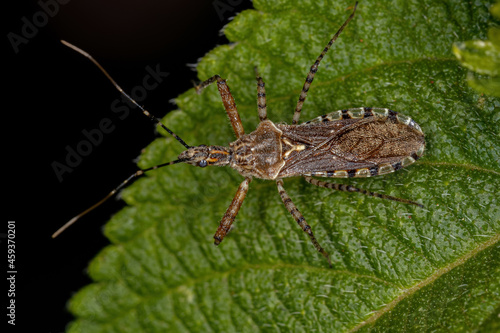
(51, 95)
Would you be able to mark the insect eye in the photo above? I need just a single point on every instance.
(202, 163)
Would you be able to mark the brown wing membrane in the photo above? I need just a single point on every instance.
(347, 144)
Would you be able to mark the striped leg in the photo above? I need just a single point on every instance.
(349, 188)
(301, 221)
(261, 97)
(227, 100)
(314, 69)
(232, 211)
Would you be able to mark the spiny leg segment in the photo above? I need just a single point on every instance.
(349, 188)
(227, 100)
(314, 69)
(299, 218)
(232, 211)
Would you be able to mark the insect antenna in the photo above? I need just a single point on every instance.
(135, 175)
(145, 112)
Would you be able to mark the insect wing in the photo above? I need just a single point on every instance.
(364, 146)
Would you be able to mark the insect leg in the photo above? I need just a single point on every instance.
(261, 97)
(349, 188)
(314, 69)
(232, 211)
(227, 100)
(301, 221)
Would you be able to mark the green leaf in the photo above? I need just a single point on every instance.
(483, 59)
(396, 267)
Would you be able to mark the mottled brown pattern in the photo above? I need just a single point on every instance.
(348, 144)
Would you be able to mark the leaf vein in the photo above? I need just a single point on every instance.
(438, 273)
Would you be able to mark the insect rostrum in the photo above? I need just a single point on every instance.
(356, 142)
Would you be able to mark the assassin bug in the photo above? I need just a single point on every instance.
(357, 142)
